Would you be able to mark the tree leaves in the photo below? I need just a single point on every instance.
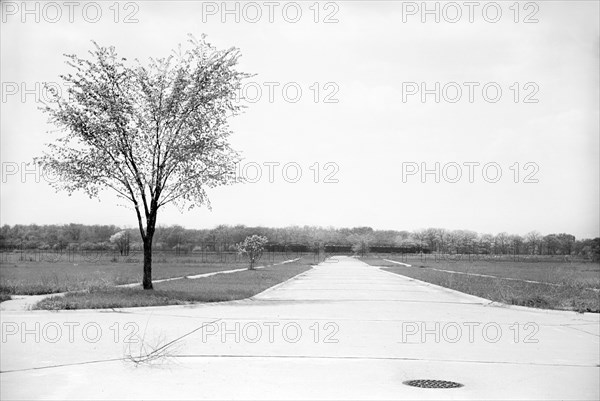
(252, 247)
(154, 133)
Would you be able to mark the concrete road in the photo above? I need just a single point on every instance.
(343, 330)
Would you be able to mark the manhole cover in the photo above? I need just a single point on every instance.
(426, 383)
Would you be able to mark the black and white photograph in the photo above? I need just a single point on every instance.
(300, 200)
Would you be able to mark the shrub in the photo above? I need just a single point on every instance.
(252, 247)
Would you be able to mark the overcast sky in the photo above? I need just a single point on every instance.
(360, 110)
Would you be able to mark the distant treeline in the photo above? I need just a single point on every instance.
(298, 239)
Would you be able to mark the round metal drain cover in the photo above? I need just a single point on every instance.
(427, 383)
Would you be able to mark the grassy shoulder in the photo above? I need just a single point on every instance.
(556, 272)
(37, 278)
(221, 287)
(572, 295)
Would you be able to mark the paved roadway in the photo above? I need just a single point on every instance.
(343, 330)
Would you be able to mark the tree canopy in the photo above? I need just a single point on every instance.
(155, 133)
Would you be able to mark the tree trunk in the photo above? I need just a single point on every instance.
(147, 281)
(150, 228)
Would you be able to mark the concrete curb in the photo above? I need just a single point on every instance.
(498, 304)
(400, 263)
(202, 275)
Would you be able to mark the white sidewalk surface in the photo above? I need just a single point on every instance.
(343, 330)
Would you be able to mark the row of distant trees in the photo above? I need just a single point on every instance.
(361, 239)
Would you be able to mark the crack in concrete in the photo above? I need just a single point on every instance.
(347, 357)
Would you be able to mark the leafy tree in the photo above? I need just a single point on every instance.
(552, 243)
(431, 238)
(502, 241)
(419, 237)
(533, 240)
(590, 248)
(406, 243)
(486, 243)
(122, 241)
(361, 243)
(516, 242)
(154, 134)
(252, 247)
(566, 243)
(174, 237)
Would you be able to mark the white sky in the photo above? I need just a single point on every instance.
(369, 133)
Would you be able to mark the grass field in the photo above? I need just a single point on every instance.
(562, 285)
(222, 287)
(34, 278)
